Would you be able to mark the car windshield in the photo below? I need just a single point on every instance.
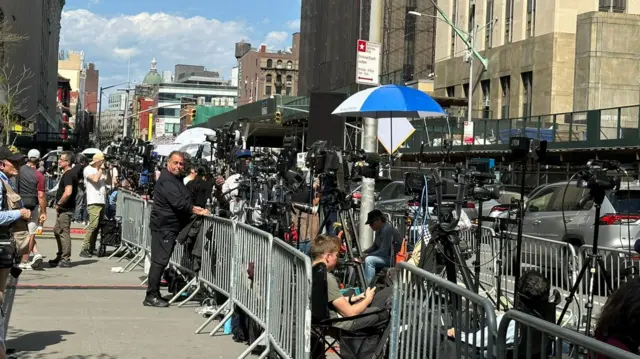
(625, 201)
(393, 190)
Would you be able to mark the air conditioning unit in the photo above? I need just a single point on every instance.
(201, 100)
(486, 102)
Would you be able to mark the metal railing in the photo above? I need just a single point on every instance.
(266, 278)
(552, 341)
(425, 306)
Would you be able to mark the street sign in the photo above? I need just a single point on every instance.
(368, 63)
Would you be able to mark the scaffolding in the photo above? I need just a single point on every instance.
(408, 49)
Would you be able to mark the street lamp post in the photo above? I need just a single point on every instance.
(468, 40)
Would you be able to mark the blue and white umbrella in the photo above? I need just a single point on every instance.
(390, 101)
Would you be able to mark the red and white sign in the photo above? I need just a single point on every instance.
(368, 63)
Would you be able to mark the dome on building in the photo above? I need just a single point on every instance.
(153, 77)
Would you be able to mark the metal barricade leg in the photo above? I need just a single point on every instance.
(183, 290)
(262, 338)
(121, 247)
(139, 257)
(193, 294)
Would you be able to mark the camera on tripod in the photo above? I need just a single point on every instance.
(528, 148)
(596, 178)
(483, 186)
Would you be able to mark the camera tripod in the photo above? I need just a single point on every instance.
(346, 220)
(593, 262)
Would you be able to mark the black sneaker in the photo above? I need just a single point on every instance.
(85, 254)
(54, 262)
(64, 264)
(155, 302)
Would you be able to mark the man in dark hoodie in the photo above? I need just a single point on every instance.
(171, 212)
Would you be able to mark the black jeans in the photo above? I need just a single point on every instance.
(162, 244)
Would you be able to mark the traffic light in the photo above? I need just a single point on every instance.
(278, 117)
(193, 114)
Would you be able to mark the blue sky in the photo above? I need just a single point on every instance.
(196, 32)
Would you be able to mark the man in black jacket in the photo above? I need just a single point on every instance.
(172, 210)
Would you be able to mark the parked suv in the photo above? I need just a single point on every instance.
(619, 215)
(619, 221)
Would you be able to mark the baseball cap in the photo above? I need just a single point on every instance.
(373, 216)
(33, 154)
(99, 156)
(6, 154)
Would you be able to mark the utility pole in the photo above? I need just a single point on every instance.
(370, 137)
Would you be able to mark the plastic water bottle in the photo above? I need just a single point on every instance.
(227, 326)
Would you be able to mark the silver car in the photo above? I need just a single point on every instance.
(619, 215)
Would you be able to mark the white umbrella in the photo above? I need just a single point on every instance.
(194, 135)
(90, 151)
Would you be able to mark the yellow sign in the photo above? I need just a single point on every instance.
(150, 129)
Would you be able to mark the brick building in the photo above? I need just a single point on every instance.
(262, 74)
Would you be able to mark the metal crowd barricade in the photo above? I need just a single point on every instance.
(253, 273)
(184, 261)
(620, 266)
(290, 299)
(425, 306)
(488, 253)
(557, 260)
(132, 209)
(218, 269)
(558, 342)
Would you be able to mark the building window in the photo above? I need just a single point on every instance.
(488, 37)
(531, 18)
(269, 63)
(288, 79)
(508, 22)
(465, 90)
(279, 64)
(486, 98)
(454, 20)
(505, 85)
(527, 93)
(171, 128)
(267, 91)
(289, 65)
(451, 91)
(269, 78)
(278, 79)
(619, 6)
(288, 91)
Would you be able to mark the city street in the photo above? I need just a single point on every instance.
(102, 323)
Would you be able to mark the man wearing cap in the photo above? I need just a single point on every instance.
(65, 205)
(31, 188)
(95, 189)
(11, 214)
(386, 244)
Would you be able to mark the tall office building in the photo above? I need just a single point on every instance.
(531, 48)
(39, 21)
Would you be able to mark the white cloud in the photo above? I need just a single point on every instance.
(275, 39)
(294, 25)
(126, 53)
(171, 39)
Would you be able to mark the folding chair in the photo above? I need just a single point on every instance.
(323, 326)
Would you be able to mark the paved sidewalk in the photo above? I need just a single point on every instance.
(72, 323)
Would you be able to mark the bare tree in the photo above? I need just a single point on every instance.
(13, 102)
(14, 82)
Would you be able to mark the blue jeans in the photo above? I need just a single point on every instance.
(331, 217)
(371, 264)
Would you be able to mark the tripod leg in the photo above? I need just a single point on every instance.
(605, 274)
(574, 289)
